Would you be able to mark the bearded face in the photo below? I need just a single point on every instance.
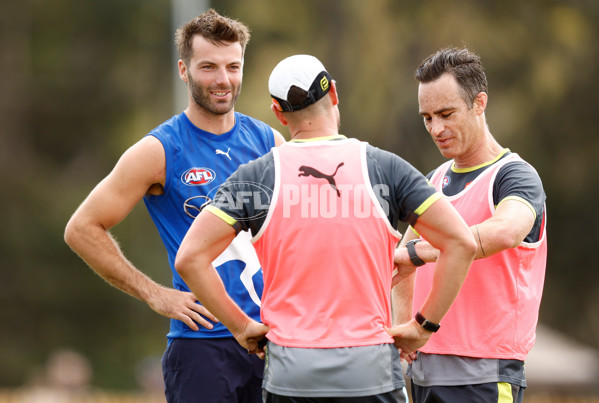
(217, 98)
(214, 74)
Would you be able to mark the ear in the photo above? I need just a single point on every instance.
(278, 114)
(480, 103)
(333, 93)
(182, 70)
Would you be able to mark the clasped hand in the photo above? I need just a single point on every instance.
(408, 338)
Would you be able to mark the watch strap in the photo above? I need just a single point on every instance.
(411, 246)
(425, 323)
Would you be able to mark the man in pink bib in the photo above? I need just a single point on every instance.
(478, 353)
(322, 211)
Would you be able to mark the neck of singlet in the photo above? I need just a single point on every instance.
(470, 169)
(324, 138)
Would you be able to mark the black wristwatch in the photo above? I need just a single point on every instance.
(426, 324)
(410, 245)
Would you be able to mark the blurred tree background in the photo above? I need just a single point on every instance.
(83, 80)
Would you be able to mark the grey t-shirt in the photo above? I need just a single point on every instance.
(339, 372)
(399, 187)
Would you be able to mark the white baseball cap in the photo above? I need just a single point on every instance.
(304, 72)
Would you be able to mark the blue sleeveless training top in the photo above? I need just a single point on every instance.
(197, 162)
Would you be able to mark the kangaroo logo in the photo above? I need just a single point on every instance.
(224, 153)
(309, 171)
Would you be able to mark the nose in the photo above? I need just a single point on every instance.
(436, 127)
(221, 76)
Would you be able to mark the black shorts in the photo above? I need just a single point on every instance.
(500, 392)
(396, 396)
(211, 370)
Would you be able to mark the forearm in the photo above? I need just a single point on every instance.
(205, 283)
(447, 232)
(207, 238)
(488, 243)
(402, 293)
(506, 229)
(451, 269)
(102, 254)
(401, 299)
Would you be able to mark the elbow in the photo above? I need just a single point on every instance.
(507, 241)
(72, 233)
(183, 263)
(503, 240)
(68, 235)
(468, 245)
(472, 247)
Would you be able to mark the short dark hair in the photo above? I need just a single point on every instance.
(463, 64)
(215, 28)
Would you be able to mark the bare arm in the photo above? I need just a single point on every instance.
(207, 238)
(508, 227)
(140, 169)
(402, 291)
(443, 227)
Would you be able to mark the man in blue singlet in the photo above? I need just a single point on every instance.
(175, 169)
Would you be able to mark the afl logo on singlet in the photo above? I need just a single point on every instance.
(198, 176)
